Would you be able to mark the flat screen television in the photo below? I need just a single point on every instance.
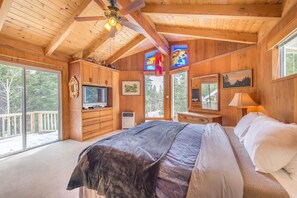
(94, 97)
(195, 95)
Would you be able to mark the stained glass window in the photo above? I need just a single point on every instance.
(150, 61)
(179, 56)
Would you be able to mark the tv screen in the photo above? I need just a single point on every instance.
(195, 95)
(94, 96)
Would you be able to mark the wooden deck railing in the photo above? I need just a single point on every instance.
(37, 122)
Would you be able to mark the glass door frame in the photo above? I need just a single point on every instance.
(24, 112)
(173, 72)
(153, 118)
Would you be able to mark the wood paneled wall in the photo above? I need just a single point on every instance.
(234, 61)
(278, 98)
(133, 103)
(18, 52)
(206, 57)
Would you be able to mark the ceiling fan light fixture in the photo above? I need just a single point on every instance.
(119, 27)
(112, 21)
(107, 26)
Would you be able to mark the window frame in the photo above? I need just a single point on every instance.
(282, 59)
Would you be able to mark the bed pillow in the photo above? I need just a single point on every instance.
(244, 124)
(291, 168)
(271, 144)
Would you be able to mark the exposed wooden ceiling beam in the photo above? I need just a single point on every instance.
(66, 29)
(283, 29)
(149, 31)
(258, 11)
(223, 35)
(126, 49)
(96, 44)
(4, 8)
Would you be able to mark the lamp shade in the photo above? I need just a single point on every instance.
(242, 100)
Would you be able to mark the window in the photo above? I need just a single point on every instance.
(154, 96)
(288, 56)
(209, 96)
(150, 61)
(179, 93)
(179, 56)
(29, 108)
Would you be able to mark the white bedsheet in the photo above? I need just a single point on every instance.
(216, 172)
(284, 179)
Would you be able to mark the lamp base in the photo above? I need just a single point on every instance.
(240, 113)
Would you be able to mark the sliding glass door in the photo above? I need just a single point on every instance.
(42, 107)
(179, 93)
(11, 109)
(29, 108)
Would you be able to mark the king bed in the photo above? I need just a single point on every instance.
(171, 159)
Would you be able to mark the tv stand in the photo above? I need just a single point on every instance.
(89, 123)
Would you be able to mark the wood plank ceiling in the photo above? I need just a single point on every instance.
(50, 24)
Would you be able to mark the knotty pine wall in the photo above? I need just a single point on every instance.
(21, 53)
(206, 57)
(278, 97)
(235, 61)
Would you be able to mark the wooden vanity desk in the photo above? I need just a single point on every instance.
(199, 118)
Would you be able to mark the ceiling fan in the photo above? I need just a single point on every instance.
(114, 16)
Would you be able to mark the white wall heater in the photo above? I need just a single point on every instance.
(128, 120)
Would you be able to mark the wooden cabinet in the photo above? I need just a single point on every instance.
(116, 92)
(85, 124)
(90, 74)
(199, 118)
(105, 77)
(96, 75)
(96, 122)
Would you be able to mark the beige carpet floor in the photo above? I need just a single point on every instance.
(43, 172)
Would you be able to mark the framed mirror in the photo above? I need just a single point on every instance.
(73, 87)
(205, 93)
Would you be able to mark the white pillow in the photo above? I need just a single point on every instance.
(244, 124)
(271, 144)
(291, 168)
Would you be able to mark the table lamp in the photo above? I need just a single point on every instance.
(242, 101)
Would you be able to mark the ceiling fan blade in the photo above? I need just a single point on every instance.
(135, 5)
(112, 32)
(132, 26)
(90, 18)
(101, 4)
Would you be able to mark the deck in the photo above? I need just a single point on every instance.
(42, 128)
(14, 144)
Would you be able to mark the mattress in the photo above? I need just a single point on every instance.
(285, 180)
(256, 185)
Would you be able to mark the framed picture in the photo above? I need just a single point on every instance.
(242, 78)
(131, 88)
